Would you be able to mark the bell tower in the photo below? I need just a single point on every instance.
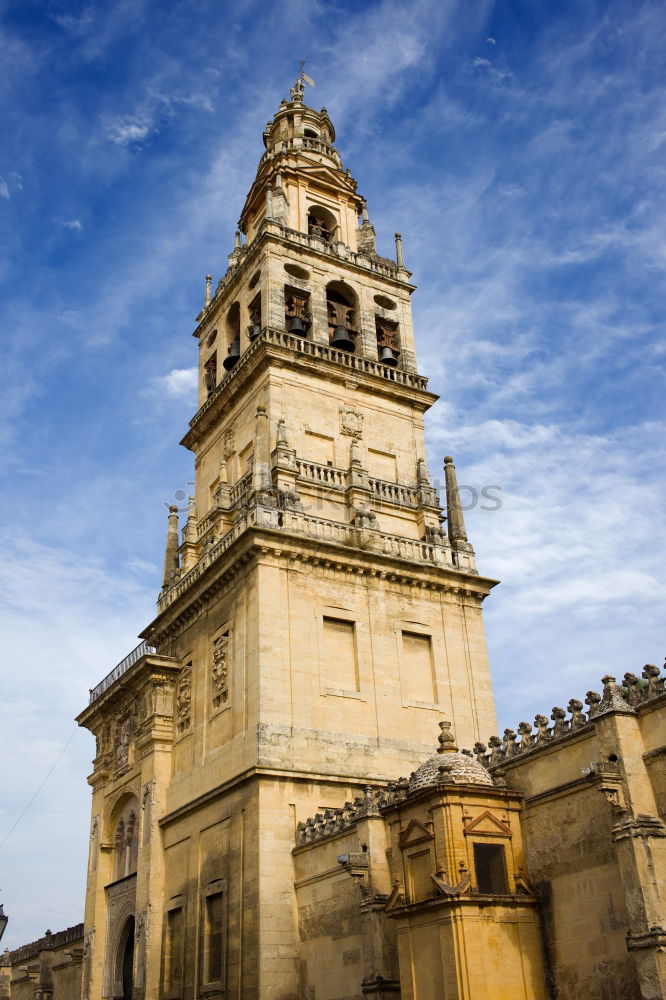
(318, 614)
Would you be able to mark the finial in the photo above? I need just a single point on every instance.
(455, 519)
(398, 250)
(447, 741)
(237, 242)
(209, 279)
(171, 561)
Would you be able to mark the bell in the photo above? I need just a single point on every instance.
(341, 340)
(233, 355)
(253, 331)
(387, 357)
(296, 325)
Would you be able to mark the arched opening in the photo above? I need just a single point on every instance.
(310, 133)
(342, 307)
(388, 341)
(126, 836)
(322, 223)
(233, 322)
(126, 960)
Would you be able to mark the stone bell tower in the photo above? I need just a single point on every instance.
(316, 619)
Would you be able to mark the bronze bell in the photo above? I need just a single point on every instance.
(233, 355)
(253, 331)
(341, 340)
(296, 325)
(387, 357)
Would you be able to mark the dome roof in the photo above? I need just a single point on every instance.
(459, 768)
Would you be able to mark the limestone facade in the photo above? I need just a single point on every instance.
(320, 615)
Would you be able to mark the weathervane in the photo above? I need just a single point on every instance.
(298, 89)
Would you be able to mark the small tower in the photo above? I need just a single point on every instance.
(315, 619)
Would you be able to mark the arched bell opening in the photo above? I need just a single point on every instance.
(210, 373)
(297, 315)
(388, 342)
(233, 337)
(342, 310)
(322, 223)
(254, 311)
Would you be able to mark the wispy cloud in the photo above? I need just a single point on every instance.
(74, 224)
(4, 188)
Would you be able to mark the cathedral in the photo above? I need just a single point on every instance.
(298, 792)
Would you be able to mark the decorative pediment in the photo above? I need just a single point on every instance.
(319, 172)
(487, 825)
(414, 833)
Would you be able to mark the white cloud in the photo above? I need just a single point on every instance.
(180, 383)
(74, 224)
(128, 131)
(4, 188)
(491, 41)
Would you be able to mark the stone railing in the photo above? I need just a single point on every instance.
(313, 349)
(625, 697)
(324, 475)
(394, 493)
(387, 268)
(298, 522)
(141, 650)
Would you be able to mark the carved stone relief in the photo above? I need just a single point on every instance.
(351, 422)
(220, 670)
(184, 700)
(123, 742)
(229, 445)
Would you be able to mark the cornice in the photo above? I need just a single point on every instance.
(257, 542)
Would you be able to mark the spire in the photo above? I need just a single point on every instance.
(455, 519)
(171, 565)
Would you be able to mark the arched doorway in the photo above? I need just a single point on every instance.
(127, 960)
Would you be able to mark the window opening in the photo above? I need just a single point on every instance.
(490, 867)
(214, 947)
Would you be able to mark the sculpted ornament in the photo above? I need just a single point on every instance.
(229, 446)
(351, 422)
(122, 746)
(184, 700)
(220, 671)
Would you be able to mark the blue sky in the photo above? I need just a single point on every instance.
(519, 148)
